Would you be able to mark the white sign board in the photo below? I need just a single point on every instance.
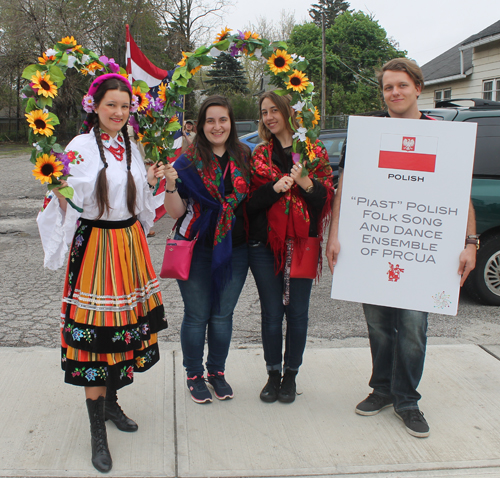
(403, 216)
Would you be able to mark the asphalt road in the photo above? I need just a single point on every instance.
(30, 295)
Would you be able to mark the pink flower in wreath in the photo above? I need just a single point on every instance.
(88, 103)
(128, 337)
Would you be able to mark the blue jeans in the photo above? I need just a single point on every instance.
(398, 338)
(270, 287)
(202, 317)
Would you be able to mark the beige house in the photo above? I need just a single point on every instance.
(470, 69)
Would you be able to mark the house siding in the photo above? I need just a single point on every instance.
(486, 65)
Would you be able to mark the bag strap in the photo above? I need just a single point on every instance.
(171, 234)
(225, 170)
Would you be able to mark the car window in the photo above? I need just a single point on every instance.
(487, 158)
(255, 140)
(244, 128)
(334, 147)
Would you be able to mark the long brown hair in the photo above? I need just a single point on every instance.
(101, 187)
(284, 107)
(237, 150)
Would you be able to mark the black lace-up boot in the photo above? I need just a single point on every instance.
(101, 458)
(114, 413)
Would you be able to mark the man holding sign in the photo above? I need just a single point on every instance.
(398, 336)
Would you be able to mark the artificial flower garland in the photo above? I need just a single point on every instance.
(155, 119)
(287, 72)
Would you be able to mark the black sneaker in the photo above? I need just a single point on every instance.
(198, 389)
(372, 404)
(222, 389)
(415, 422)
(288, 388)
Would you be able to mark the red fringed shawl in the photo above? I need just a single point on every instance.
(288, 218)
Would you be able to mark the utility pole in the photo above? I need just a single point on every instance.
(323, 71)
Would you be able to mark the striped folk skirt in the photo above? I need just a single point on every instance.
(112, 307)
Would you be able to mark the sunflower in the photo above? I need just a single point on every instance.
(194, 70)
(141, 139)
(298, 81)
(40, 122)
(94, 66)
(43, 85)
(71, 42)
(162, 92)
(222, 35)
(311, 154)
(91, 68)
(249, 35)
(317, 117)
(47, 167)
(183, 61)
(44, 58)
(143, 100)
(279, 61)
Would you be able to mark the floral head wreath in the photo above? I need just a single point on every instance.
(88, 103)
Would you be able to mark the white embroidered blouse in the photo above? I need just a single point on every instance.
(57, 228)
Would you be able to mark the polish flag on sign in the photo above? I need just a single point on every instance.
(410, 153)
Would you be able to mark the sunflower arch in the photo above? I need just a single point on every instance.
(156, 118)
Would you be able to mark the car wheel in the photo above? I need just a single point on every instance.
(483, 282)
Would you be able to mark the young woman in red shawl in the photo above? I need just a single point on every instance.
(283, 205)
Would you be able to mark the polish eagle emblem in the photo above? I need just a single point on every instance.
(408, 143)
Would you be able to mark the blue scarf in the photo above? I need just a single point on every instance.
(206, 187)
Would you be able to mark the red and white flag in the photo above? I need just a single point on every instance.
(139, 67)
(410, 153)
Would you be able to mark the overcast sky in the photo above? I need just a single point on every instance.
(425, 28)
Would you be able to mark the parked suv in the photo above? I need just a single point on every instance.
(246, 126)
(483, 282)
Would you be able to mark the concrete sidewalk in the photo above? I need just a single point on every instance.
(44, 430)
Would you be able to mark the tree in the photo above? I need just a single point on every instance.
(355, 46)
(28, 28)
(273, 31)
(226, 77)
(187, 23)
(331, 8)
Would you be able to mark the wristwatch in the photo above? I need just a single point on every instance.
(309, 189)
(473, 239)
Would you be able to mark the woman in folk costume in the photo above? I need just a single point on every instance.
(112, 306)
(284, 209)
(207, 201)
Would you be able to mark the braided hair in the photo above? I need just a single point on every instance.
(101, 188)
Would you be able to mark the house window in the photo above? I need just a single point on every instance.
(442, 95)
(491, 89)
